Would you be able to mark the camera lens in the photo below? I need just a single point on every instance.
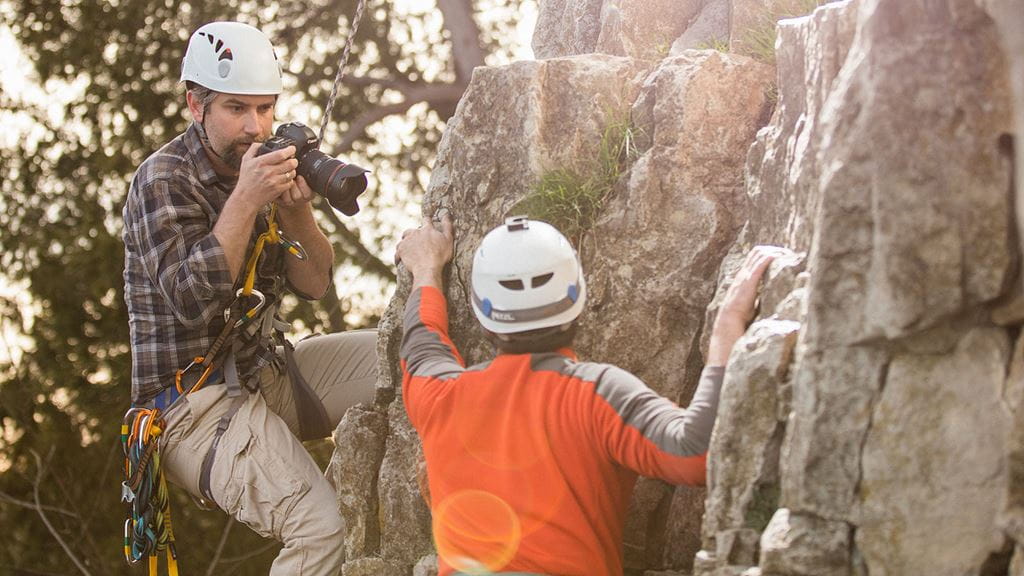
(333, 179)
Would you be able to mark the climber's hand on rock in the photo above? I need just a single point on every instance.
(425, 251)
(737, 309)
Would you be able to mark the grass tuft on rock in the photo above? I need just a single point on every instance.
(571, 200)
(758, 41)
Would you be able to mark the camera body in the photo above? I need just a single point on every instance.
(340, 183)
(291, 134)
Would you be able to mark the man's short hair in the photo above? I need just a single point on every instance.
(534, 341)
(201, 93)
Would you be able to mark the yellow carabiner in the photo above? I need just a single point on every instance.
(294, 248)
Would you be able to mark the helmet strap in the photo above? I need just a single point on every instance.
(208, 146)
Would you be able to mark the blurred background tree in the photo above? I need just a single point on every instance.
(98, 95)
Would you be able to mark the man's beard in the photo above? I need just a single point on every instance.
(233, 153)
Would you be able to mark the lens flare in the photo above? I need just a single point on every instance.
(476, 532)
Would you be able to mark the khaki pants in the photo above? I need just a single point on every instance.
(262, 475)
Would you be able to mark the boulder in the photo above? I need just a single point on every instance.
(404, 513)
(644, 29)
(833, 392)
(936, 448)
(743, 476)
(710, 28)
(687, 185)
(917, 236)
(373, 567)
(804, 545)
(567, 28)
(359, 448)
(782, 167)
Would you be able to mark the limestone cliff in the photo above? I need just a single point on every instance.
(871, 420)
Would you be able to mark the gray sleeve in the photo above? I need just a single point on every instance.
(675, 431)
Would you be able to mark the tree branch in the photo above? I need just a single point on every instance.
(363, 81)
(465, 34)
(357, 128)
(40, 474)
(434, 94)
(361, 256)
(220, 546)
(5, 497)
(335, 315)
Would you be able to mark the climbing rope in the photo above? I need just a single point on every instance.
(342, 63)
(147, 529)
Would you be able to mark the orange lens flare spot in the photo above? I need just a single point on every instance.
(476, 532)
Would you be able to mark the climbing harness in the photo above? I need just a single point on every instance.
(147, 528)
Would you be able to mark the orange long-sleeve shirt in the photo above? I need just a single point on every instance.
(531, 458)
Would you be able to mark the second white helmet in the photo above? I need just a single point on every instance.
(233, 58)
(526, 276)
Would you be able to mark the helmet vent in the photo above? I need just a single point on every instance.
(512, 284)
(541, 280)
(221, 55)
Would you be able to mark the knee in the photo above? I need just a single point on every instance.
(317, 519)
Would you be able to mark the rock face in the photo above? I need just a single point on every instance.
(653, 29)
(902, 199)
(675, 209)
(907, 495)
(872, 417)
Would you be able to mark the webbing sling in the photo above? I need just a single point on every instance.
(234, 388)
(313, 420)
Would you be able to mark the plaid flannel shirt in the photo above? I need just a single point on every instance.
(176, 277)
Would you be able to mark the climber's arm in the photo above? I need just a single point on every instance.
(650, 434)
(428, 356)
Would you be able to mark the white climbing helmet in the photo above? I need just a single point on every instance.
(526, 276)
(233, 58)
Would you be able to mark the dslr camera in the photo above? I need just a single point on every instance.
(338, 182)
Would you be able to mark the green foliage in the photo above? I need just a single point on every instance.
(717, 44)
(65, 176)
(758, 41)
(570, 199)
(771, 94)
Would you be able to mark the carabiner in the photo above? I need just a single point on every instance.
(197, 361)
(294, 248)
(252, 312)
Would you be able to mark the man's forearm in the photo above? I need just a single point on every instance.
(233, 231)
(724, 335)
(311, 276)
(427, 277)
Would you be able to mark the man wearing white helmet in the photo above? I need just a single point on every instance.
(202, 295)
(531, 457)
